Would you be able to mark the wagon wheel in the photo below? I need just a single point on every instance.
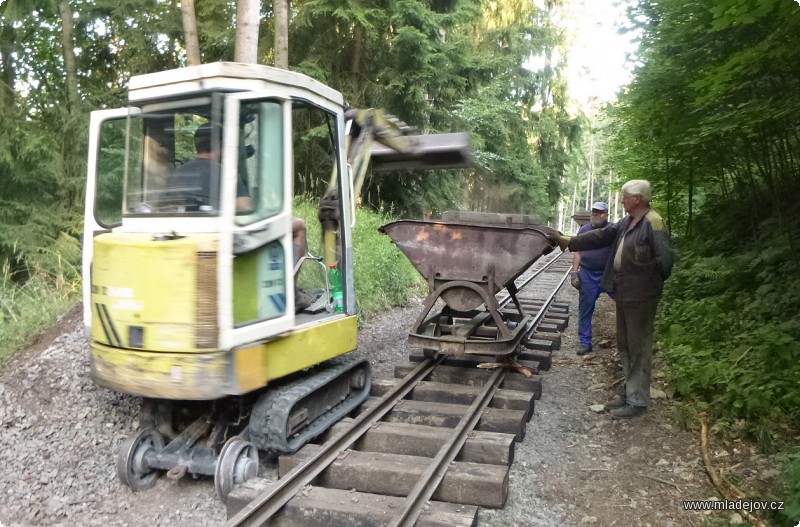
(132, 467)
(434, 329)
(237, 463)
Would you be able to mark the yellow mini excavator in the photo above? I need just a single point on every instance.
(189, 263)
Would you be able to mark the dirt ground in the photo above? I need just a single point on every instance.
(597, 471)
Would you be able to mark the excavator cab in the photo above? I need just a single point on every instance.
(190, 208)
(189, 265)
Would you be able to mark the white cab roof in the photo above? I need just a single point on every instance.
(225, 76)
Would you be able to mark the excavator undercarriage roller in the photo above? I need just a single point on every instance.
(283, 419)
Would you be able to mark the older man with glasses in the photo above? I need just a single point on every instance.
(639, 262)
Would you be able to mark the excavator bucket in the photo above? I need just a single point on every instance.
(426, 152)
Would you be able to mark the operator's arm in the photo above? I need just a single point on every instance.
(243, 199)
(244, 203)
(595, 238)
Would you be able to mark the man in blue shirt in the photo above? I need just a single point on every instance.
(587, 270)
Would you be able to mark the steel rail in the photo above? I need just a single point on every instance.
(501, 303)
(270, 501)
(429, 481)
(267, 504)
(547, 301)
(537, 319)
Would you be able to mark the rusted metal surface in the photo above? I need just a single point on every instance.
(493, 218)
(466, 264)
(489, 256)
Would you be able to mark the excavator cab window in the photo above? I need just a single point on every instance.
(259, 188)
(314, 133)
(174, 160)
(110, 173)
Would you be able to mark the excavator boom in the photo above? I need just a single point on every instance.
(390, 144)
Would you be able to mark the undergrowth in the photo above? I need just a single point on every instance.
(32, 297)
(383, 275)
(730, 325)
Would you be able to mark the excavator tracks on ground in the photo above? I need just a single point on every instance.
(288, 416)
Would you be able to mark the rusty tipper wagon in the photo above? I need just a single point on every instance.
(466, 264)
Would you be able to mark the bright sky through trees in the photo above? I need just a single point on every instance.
(597, 59)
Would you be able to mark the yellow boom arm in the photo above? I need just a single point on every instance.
(391, 145)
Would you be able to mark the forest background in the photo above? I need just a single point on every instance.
(711, 118)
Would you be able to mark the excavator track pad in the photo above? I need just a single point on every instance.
(290, 415)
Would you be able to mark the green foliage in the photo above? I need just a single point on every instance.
(732, 330)
(791, 480)
(730, 324)
(711, 119)
(448, 66)
(384, 276)
(31, 305)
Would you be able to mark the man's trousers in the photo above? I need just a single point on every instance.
(635, 325)
(587, 297)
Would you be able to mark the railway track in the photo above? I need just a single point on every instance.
(431, 446)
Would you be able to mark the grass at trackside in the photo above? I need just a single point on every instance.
(384, 278)
(27, 309)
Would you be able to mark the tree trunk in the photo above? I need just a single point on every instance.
(574, 204)
(69, 57)
(73, 155)
(7, 72)
(247, 21)
(280, 8)
(190, 33)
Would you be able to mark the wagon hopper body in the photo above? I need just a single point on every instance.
(466, 263)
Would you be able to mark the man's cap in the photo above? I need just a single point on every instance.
(601, 206)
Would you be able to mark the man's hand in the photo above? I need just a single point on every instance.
(575, 279)
(559, 239)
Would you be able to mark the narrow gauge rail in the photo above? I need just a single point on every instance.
(484, 480)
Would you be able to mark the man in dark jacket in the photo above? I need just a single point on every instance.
(639, 262)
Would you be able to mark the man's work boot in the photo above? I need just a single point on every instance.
(619, 402)
(584, 350)
(628, 412)
(302, 300)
